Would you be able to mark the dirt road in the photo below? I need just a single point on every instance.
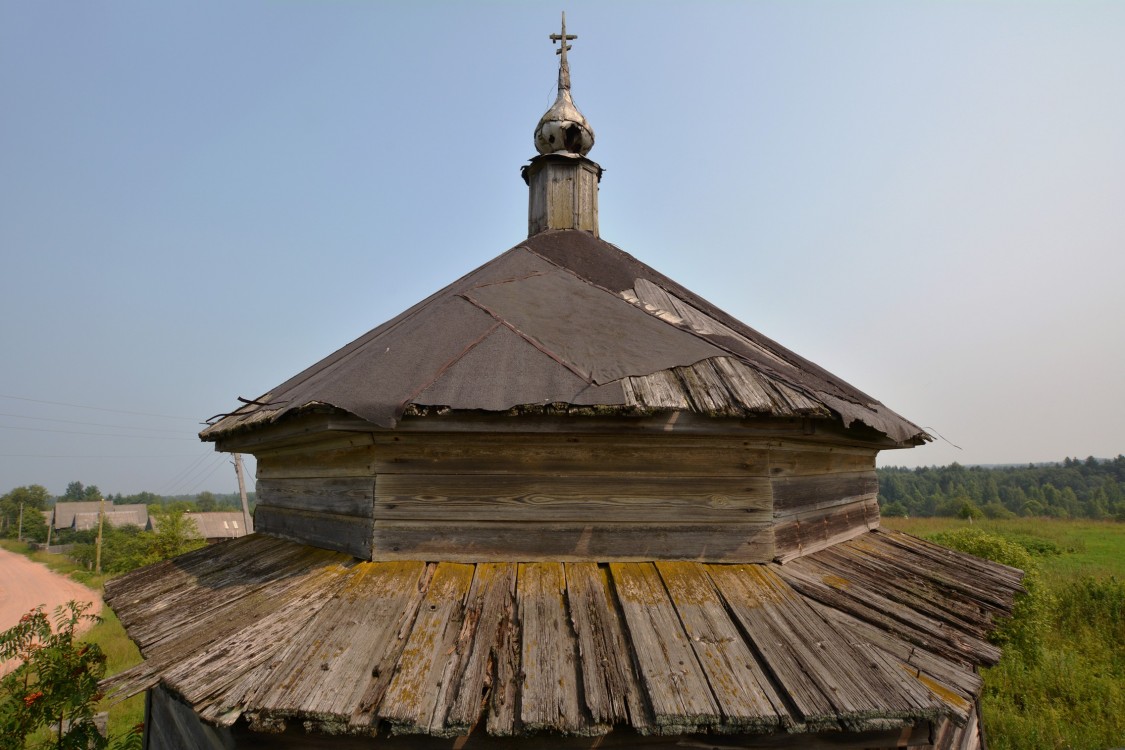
(25, 584)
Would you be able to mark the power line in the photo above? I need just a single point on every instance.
(204, 479)
(199, 475)
(176, 477)
(96, 434)
(98, 408)
(92, 424)
(44, 455)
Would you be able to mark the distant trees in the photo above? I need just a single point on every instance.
(1075, 488)
(26, 503)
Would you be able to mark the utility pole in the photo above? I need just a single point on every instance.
(247, 522)
(50, 528)
(19, 534)
(98, 552)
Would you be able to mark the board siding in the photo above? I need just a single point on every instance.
(352, 496)
(350, 534)
(441, 497)
(795, 493)
(799, 534)
(499, 541)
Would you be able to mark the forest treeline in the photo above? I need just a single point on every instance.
(1075, 488)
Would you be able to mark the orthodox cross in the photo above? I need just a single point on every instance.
(564, 67)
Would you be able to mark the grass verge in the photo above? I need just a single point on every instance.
(108, 634)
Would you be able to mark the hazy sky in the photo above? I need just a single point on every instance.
(197, 200)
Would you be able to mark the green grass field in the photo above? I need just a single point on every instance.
(1064, 687)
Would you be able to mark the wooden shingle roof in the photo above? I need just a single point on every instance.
(881, 631)
(567, 320)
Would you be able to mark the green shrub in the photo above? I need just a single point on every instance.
(1031, 614)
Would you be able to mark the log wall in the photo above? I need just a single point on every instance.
(496, 497)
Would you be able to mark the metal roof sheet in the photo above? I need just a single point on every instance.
(567, 318)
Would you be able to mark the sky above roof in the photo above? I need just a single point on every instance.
(198, 200)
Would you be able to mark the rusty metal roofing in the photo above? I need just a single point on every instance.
(881, 631)
(567, 318)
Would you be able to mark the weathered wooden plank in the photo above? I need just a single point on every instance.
(345, 644)
(611, 686)
(499, 541)
(804, 533)
(797, 492)
(334, 461)
(823, 673)
(739, 684)
(214, 678)
(429, 660)
(758, 602)
(349, 534)
(791, 461)
(677, 686)
(876, 609)
(568, 454)
(488, 610)
(549, 698)
(1000, 580)
(503, 698)
(906, 587)
(443, 497)
(346, 496)
(954, 682)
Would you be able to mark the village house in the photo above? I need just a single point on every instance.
(83, 516)
(213, 526)
(564, 502)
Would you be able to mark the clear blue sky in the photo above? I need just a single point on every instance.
(199, 199)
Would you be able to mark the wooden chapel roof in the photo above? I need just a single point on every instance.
(881, 631)
(565, 319)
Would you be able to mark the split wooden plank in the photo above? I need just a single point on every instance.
(211, 599)
(677, 686)
(905, 587)
(745, 696)
(413, 696)
(488, 611)
(503, 541)
(443, 497)
(876, 609)
(348, 496)
(209, 615)
(504, 696)
(344, 645)
(955, 684)
(549, 698)
(213, 679)
(611, 686)
(991, 581)
(829, 678)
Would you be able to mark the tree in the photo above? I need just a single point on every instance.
(76, 492)
(31, 501)
(55, 684)
(206, 502)
(173, 535)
